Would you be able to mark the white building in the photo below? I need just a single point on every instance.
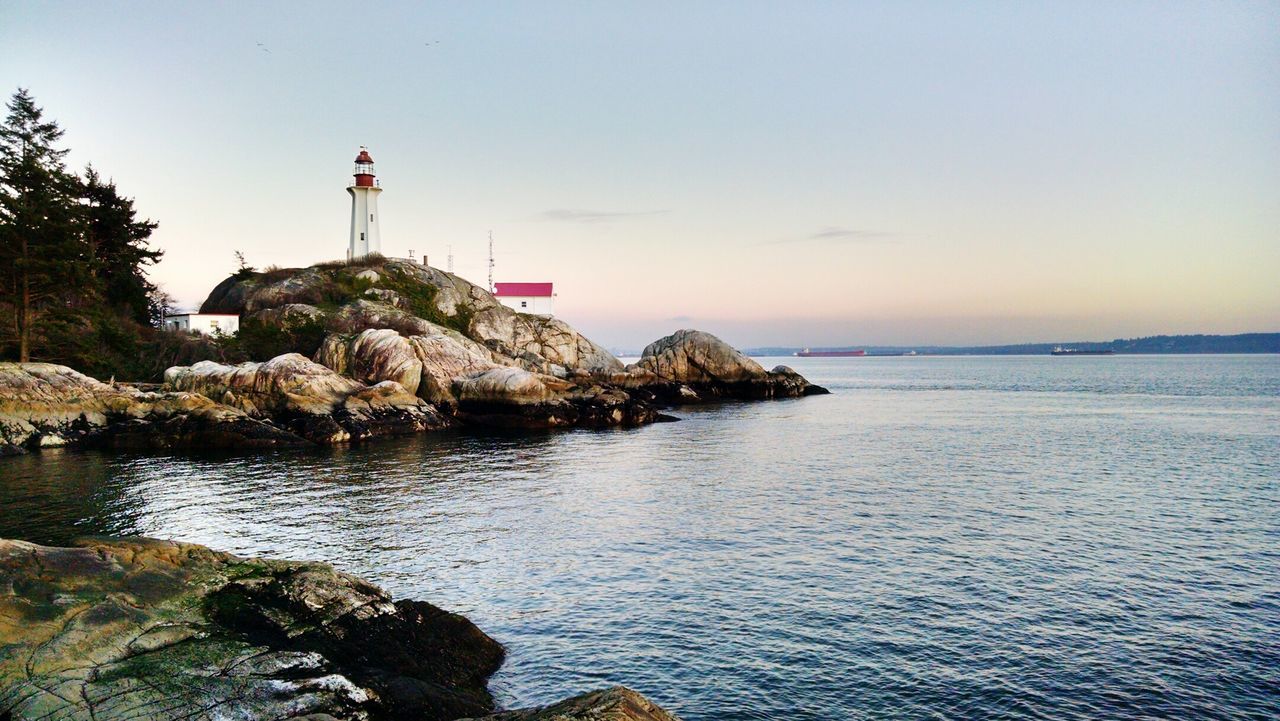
(204, 323)
(365, 236)
(536, 298)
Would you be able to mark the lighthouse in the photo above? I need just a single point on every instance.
(365, 238)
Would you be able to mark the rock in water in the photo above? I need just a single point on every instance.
(694, 356)
(694, 365)
(614, 704)
(146, 629)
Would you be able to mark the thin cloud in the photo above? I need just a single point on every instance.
(680, 319)
(594, 216)
(840, 234)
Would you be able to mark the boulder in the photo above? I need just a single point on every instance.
(513, 397)
(692, 366)
(613, 704)
(310, 399)
(147, 629)
(43, 404)
(508, 385)
(445, 357)
(373, 356)
(694, 356)
(286, 383)
(425, 364)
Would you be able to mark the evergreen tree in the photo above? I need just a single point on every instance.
(118, 244)
(44, 261)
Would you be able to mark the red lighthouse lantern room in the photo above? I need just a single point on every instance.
(364, 169)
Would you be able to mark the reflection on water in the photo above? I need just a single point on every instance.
(1017, 537)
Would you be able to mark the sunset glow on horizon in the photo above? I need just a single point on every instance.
(778, 174)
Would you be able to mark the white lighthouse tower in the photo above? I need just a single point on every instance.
(365, 238)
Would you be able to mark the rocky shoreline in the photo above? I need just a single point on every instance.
(405, 349)
(141, 629)
(146, 629)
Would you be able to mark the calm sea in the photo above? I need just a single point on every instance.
(1028, 537)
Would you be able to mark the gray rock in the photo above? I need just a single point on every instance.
(694, 356)
(692, 366)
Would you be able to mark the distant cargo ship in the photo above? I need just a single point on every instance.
(806, 353)
(1076, 351)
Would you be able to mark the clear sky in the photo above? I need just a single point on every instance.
(778, 173)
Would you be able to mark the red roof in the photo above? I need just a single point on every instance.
(522, 289)
(363, 157)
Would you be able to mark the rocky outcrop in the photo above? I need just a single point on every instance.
(425, 364)
(415, 300)
(248, 293)
(289, 315)
(309, 399)
(43, 404)
(614, 704)
(145, 629)
(452, 344)
(456, 375)
(691, 365)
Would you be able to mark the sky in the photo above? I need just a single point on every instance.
(785, 173)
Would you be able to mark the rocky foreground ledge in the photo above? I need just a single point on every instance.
(145, 629)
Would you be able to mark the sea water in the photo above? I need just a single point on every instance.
(1015, 537)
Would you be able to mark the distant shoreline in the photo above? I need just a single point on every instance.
(1243, 343)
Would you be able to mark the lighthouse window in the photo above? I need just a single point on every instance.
(362, 236)
(524, 304)
(371, 217)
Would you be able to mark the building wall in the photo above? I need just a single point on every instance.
(365, 236)
(536, 304)
(205, 324)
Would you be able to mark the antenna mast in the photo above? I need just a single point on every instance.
(491, 261)
(451, 259)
